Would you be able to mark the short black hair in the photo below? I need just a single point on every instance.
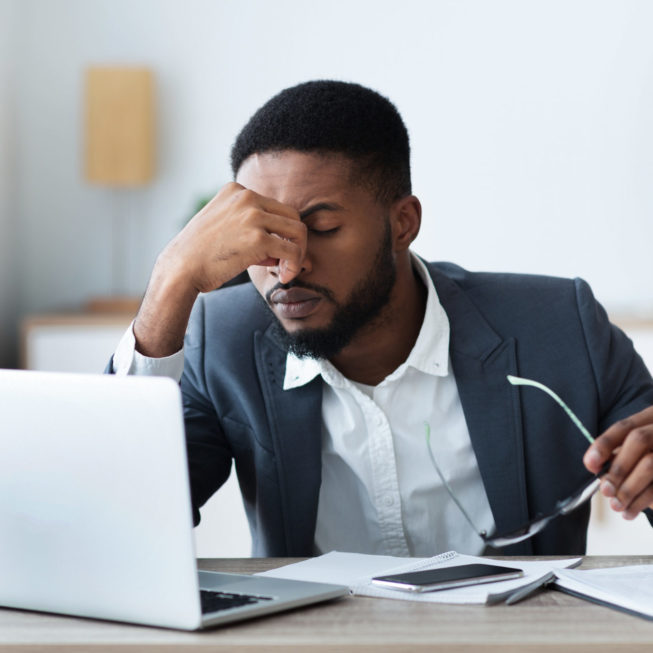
(334, 117)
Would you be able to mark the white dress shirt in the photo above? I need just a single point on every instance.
(379, 491)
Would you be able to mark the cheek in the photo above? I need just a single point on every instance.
(341, 257)
(339, 270)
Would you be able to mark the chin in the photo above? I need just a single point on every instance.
(309, 323)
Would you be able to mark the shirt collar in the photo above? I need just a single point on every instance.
(430, 354)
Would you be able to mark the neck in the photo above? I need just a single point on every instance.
(382, 346)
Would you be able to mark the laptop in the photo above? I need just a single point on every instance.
(95, 508)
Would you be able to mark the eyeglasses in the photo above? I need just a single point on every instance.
(562, 507)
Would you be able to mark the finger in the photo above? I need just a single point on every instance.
(295, 232)
(628, 474)
(272, 206)
(635, 484)
(288, 229)
(256, 225)
(249, 198)
(285, 275)
(267, 263)
(283, 250)
(643, 501)
(286, 271)
(604, 445)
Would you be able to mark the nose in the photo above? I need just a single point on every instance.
(307, 264)
(305, 268)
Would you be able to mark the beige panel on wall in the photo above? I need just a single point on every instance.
(119, 126)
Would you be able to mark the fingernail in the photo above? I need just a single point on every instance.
(615, 504)
(629, 516)
(608, 489)
(592, 458)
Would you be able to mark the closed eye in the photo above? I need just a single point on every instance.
(323, 232)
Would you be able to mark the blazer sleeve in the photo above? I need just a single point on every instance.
(209, 453)
(623, 383)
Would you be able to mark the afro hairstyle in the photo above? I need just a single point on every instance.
(334, 117)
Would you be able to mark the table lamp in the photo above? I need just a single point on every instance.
(119, 153)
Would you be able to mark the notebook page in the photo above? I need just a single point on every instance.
(630, 587)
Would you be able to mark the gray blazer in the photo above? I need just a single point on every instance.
(529, 453)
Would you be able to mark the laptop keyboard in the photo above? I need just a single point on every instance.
(216, 601)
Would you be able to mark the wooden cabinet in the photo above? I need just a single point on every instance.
(71, 342)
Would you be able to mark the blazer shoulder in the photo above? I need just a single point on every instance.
(494, 290)
(512, 302)
(471, 280)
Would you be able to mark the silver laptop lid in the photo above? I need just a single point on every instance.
(94, 498)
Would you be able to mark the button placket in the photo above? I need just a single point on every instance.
(384, 479)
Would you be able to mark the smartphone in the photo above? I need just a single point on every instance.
(430, 580)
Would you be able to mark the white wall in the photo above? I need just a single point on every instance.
(530, 122)
(8, 286)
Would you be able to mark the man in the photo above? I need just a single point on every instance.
(322, 377)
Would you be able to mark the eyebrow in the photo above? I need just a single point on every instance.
(320, 206)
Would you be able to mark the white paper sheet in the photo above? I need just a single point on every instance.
(355, 570)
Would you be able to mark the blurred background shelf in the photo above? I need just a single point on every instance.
(71, 342)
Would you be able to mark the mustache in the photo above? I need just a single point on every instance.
(322, 290)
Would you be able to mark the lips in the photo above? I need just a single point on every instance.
(294, 303)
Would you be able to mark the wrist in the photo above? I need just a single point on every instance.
(163, 317)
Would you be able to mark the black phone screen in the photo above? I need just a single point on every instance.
(449, 576)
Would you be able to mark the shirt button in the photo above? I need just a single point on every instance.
(388, 500)
(378, 420)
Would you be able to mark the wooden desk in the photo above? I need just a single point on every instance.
(545, 622)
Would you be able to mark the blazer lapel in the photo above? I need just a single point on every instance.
(295, 419)
(481, 361)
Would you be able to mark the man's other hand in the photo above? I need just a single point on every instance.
(629, 482)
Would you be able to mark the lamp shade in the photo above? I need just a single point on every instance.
(119, 126)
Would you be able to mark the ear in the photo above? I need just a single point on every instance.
(406, 218)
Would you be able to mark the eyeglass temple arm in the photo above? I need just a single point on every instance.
(482, 534)
(517, 380)
(514, 380)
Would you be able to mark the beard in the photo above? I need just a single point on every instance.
(365, 302)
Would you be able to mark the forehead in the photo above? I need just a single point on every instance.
(297, 178)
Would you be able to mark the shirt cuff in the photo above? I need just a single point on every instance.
(126, 360)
